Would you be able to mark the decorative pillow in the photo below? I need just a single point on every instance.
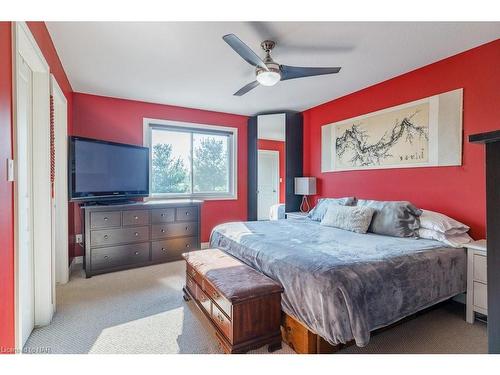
(355, 219)
(453, 240)
(441, 223)
(319, 210)
(393, 218)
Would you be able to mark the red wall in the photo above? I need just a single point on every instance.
(122, 121)
(456, 191)
(44, 41)
(266, 144)
(6, 194)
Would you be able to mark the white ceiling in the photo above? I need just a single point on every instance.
(188, 64)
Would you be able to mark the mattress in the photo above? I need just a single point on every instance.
(342, 284)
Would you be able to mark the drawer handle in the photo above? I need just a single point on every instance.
(162, 215)
(188, 245)
(105, 219)
(162, 230)
(187, 228)
(106, 257)
(106, 236)
(163, 249)
(220, 318)
(136, 253)
(187, 213)
(136, 217)
(215, 295)
(136, 234)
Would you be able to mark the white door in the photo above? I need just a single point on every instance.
(267, 182)
(60, 200)
(24, 201)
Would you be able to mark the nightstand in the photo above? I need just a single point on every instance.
(477, 295)
(296, 215)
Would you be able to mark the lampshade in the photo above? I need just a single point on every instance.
(305, 185)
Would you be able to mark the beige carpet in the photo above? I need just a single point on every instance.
(142, 311)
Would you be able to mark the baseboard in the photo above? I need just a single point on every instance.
(75, 262)
(205, 245)
(460, 298)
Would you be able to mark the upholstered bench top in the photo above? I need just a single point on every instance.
(234, 279)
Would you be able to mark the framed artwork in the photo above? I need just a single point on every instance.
(422, 133)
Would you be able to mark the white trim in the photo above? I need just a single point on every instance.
(75, 263)
(205, 245)
(25, 46)
(148, 122)
(60, 202)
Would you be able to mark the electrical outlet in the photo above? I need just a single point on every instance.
(78, 238)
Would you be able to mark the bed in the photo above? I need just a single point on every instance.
(343, 285)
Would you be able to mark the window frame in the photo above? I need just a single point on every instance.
(149, 124)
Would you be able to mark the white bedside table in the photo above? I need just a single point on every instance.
(296, 215)
(477, 295)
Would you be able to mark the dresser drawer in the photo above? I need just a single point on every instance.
(109, 257)
(159, 231)
(220, 300)
(105, 219)
(172, 249)
(480, 268)
(162, 215)
(480, 295)
(118, 236)
(135, 217)
(222, 322)
(186, 213)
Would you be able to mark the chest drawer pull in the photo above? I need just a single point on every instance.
(188, 245)
(136, 234)
(105, 219)
(162, 214)
(136, 217)
(163, 249)
(162, 230)
(136, 253)
(106, 236)
(187, 228)
(220, 318)
(106, 256)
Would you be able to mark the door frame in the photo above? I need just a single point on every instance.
(273, 153)
(24, 47)
(60, 200)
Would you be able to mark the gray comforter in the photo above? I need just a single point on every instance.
(341, 284)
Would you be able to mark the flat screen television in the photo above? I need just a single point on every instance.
(101, 170)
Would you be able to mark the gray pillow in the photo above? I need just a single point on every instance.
(393, 218)
(355, 219)
(319, 210)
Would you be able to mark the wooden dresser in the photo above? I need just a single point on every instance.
(243, 305)
(118, 237)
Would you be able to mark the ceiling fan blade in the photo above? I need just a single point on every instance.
(244, 51)
(246, 88)
(292, 72)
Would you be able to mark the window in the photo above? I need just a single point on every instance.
(191, 160)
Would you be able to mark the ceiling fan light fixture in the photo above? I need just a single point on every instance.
(268, 78)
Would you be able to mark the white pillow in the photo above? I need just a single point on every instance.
(453, 240)
(352, 218)
(441, 223)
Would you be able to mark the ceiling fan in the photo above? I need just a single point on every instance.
(268, 72)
